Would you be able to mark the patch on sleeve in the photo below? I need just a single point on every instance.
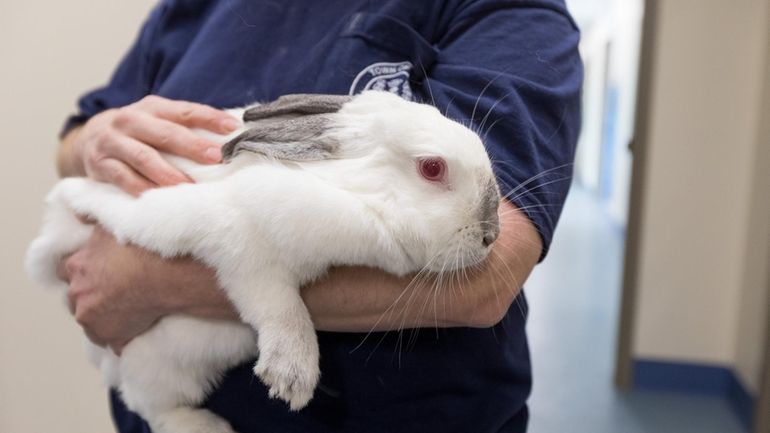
(385, 76)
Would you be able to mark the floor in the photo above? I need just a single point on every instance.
(574, 298)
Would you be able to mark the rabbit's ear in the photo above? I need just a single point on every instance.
(296, 105)
(296, 139)
(293, 127)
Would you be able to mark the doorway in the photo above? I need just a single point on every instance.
(575, 295)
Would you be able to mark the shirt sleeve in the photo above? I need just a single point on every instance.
(131, 81)
(511, 70)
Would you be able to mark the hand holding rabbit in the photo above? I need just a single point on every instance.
(117, 292)
(121, 146)
(103, 291)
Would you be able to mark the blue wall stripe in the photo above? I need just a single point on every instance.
(741, 401)
(700, 379)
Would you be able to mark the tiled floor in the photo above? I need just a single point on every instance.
(573, 299)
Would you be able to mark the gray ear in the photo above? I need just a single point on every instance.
(293, 127)
(297, 105)
(297, 139)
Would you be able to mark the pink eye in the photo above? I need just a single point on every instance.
(433, 169)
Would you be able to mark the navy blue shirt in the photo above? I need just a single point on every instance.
(509, 69)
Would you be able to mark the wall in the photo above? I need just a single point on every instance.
(756, 270)
(698, 242)
(51, 53)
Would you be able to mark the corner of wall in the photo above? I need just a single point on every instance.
(753, 308)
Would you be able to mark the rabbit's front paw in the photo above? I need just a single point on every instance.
(290, 370)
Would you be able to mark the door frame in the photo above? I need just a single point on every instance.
(638, 146)
(762, 408)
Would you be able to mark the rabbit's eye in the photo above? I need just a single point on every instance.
(433, 169)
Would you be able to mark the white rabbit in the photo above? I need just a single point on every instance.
(310, 181)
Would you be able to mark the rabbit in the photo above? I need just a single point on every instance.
(308, 182)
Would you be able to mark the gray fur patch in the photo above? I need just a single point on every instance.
(488, 215)
(298, 139)
(297, 104)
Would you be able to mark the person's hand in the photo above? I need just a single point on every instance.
(120, 146)
(109, 294)
(116, 292)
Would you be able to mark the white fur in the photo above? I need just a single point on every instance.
(267, 227)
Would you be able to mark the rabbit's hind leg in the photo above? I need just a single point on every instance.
(170, 370)
(172, 221)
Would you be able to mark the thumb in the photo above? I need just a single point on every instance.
(117, 347)
(86, 219)
(61, 269)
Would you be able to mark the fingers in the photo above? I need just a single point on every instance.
(86, 219)
(190, 114)
(94, 337)
(124, 177)
(71, 301)
(117, 347)
(61, 270)
(146, 161)
(123, 146)
(166, 136)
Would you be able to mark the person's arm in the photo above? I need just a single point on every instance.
(359, 299)
(354, 299)
(68, 162)
(116, 292)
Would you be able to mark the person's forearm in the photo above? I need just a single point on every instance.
(354, 299)
(68, 162)
(357, 299)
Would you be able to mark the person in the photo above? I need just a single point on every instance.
(509, 69)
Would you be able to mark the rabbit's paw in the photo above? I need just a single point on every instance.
(290, 371)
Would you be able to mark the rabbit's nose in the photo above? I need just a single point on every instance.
(489, 237)
(488, 217)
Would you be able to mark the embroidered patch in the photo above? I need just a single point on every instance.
(387, 76)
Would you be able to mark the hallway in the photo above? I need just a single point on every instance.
(574, 298)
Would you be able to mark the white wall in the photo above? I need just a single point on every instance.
(51, 52)
(703, 165)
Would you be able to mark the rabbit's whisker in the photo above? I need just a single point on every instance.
(501, 99)
(534, 208)
(486, 133)
(448, 105)
(419, 275)
(415, 330)
(478, 99)
(512, 197)
(515, 293)
(427, 82)
(533, 178)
